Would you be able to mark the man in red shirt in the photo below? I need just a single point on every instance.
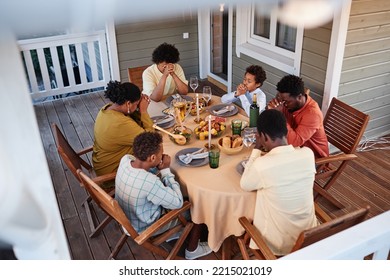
(304, 117)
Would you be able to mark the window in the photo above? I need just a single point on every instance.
(260, 35)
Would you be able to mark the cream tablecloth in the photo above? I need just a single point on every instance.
(216, 197)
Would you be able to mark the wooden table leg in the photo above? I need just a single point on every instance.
(227, 248)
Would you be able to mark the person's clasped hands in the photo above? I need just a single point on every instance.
(144, 103)
(165, 162)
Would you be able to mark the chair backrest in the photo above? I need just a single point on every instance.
(135, 75)
(67, 153)
(344, 126)
(107, 203)
(310, 236)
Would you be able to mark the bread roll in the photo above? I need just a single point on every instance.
(226, 142)
(237, 142)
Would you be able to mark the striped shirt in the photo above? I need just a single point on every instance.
(143, 195)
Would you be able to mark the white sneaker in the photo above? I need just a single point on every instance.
(203, 249)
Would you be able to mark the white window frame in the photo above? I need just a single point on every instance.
(264, 49)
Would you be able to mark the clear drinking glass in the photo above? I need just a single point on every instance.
(249, 136)
(207, 93)
(194, 83)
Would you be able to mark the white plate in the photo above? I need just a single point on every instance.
(194, 162)
(165, 123)
(221, 106)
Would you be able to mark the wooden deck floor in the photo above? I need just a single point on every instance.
(365, 181)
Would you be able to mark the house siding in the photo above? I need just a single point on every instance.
(136, 42)
(315, 51)
(365, 76)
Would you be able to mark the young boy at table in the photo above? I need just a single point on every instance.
(283, 179)
(144, 197)
(253, 79)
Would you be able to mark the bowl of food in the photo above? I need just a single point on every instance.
(230, 144)
(218, 127)
(186, 132)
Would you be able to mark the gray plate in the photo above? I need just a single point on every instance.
(220, 106)
(194, 162)
(240, 168)
(167, 124)
(170, 98)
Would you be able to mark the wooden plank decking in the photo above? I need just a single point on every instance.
(365, 181)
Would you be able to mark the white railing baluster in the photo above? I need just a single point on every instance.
(80, 61)
(30, 71)
(57, 67)
(44, 70)
(69, 66)
(92, 60)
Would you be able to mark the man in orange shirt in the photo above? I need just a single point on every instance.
(303, 115)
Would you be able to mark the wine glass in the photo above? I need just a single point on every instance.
(194, 83)
(207, 93)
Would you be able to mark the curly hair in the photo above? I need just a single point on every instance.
(146, 144)
(119, 92)
(273, 123)
(166, 53)
(291, 84)
(258, 72)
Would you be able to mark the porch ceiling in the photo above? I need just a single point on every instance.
(25, 17)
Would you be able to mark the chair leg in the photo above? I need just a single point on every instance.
(118, 246)
(88, 212)
(100, 227)
(327, 196)
(243, 249)
(180, 241)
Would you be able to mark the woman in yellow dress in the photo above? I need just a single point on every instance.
(117, 124)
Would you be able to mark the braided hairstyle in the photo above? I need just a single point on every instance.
(119, 93)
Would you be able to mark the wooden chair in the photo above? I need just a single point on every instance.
(135, 75)
(74, 161)
(344, 127)
(147, 238)
(305, 238)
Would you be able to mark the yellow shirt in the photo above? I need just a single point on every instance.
(283, 179)
(114, 135)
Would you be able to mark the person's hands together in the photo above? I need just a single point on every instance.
(275, 104)
(144, 103)
(241, 89)
(165, 162)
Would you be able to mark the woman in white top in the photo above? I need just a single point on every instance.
(165, 76)
(253, 79)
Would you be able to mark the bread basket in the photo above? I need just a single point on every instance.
(229, 150)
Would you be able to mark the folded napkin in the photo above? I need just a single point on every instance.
(187, 158)
(224, 110)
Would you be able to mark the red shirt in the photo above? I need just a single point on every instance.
(305, 128)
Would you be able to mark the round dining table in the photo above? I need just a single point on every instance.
(215, 194)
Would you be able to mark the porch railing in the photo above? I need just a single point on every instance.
(65, 64)
(369, 237)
